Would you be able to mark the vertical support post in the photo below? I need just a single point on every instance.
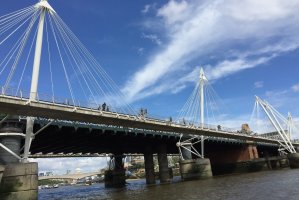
(34, 82)
(116, 177)
(290, 126)
(10, 145)
(163, 164)
(186, 154)
(37, 56)
(202, 98)
(149, 166)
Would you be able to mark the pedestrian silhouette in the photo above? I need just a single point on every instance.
(104, 106)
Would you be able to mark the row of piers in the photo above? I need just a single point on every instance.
(246, 159)
(115, 176)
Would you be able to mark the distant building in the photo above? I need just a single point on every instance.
(45, 174)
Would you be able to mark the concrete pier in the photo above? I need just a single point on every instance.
(195, 169)
(149, 166)
(19, 181)
(164, 174)
(116, 177)
(1, 172)
(13, 142)
(293, 160)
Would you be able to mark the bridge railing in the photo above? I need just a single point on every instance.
(40, 97)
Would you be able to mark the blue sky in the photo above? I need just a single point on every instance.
(153, 49)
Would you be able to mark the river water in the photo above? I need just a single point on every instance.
(266, 185)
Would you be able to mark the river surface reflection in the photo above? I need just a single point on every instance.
(272, 185)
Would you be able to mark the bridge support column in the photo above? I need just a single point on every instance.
(11, 137)
(186, 154)
(116, 177)
(293, 160)
(164, 172)
(149, 166)
(195, 168)
(19, 180)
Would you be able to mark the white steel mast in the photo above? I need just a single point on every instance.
(44, 6)
(202, 79)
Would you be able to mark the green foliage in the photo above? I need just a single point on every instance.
(49, 182)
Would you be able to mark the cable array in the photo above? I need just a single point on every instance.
(263, 126)
(67, 68)
(213, 107)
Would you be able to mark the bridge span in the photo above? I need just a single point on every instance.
(22, 106)
(112, 132)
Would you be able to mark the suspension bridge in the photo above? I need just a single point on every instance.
(46, 124)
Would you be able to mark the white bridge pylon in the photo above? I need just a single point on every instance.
(196, 100)
(77, 73)
(275, 117)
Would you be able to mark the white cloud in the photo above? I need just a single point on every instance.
(228, 67)
(295, 88)
(140, 51)
(173, 11)
(154, 38)
(259, 84)
(146, 9)
(196, 29)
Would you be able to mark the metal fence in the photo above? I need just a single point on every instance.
(40, 97)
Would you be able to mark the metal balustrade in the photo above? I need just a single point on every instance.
(44, 98)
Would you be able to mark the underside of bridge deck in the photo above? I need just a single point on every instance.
(66, 140)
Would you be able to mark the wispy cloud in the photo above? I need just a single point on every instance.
(196, 29)
(140, 51)
(284, 100)
(295, 88)
(258, 84)
(154, 38)
(148, 7)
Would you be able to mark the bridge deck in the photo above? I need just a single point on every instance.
(19, 106)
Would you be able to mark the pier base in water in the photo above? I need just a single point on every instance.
(195, 169)
(149, 166)
(19, 181)
(115, 179)
(293, 160)
(164, 173)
